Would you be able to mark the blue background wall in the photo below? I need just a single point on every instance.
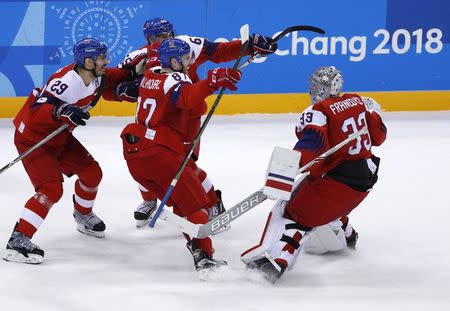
(36, 38)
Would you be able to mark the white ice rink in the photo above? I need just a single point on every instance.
(402, 260)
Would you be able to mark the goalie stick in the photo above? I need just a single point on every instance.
(55, 132)
(256, 198)
(244, 39)
(282, 34)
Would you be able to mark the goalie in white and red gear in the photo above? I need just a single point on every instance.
(336, 185)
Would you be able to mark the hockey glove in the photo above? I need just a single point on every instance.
(135, 63)
(128, 91)
(224, 77)
(70, 114)
(262, 45)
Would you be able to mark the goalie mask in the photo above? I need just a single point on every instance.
(324, 83)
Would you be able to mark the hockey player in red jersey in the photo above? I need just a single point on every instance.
(202, 50)
(334, 187)
(64, 99)
(154, 145)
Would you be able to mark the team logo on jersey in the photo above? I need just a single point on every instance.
(107, 21)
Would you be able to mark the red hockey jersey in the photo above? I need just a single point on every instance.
(329, 122)
(35, 120)
(202, 50)
(164, 108)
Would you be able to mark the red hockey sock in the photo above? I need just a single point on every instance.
(84, 197)
(205, 244)
(147, 195)
(344, 221)
(33, 215)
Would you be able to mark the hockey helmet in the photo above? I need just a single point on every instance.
(88, 48)
(325, 82)
(172, 48)
(157, 26)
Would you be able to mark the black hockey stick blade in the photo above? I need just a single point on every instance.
(298, 28)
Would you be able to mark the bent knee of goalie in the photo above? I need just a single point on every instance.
(52, 191)
(92, 175)
(326, 238)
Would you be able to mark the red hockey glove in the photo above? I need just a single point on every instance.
(224, 77)
(136, 64)
(152, 55)
(262, 45)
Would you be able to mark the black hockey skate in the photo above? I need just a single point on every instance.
(89, 224)
(351, 240)
(270, 269)
(20, 249)
(216, 210)
(202, 261)
(144, 213)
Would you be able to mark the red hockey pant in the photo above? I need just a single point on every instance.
(45, 168)
(320, 200)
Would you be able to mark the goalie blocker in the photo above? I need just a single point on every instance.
(281, 173)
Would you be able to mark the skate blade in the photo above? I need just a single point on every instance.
(222, 229)
(14, 256)
(97, 234)
(212, 273)
(142, 223)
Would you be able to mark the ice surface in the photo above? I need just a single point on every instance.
(402, 258)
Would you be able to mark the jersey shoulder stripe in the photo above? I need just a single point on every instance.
(195, 43)
(173, 79)
(311, 116)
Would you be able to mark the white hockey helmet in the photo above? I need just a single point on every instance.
(325, 82)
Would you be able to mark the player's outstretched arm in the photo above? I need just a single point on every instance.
(191, 95)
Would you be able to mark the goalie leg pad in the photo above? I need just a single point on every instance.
(280, 244)
(327, 238)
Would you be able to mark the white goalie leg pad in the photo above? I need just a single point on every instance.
(281, 173)
(326, 238)
(281, 239)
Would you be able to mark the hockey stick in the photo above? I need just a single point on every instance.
(282, 34)
(55, 132)
(244, 39)
(256, 198)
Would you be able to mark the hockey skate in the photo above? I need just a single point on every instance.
(20, 249)
(270, 269)
(216, 210)
(89, 224)
(144, 213)
(352, 239)
(202, 261)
